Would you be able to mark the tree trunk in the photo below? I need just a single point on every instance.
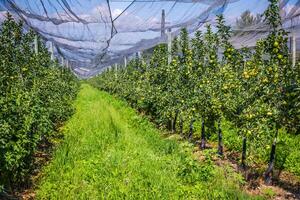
(281, 167)
(181, 127)
(269, 171)
(203, 138)
(220, 139)
(169, 124)
(244, 153)
(191, 130)
(175, 121)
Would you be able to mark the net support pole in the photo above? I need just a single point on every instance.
(36, 45)
(169, 34)
(293, 43)
(116, 69)
(67, 64)
(52, 50)
(125, 61)
(138, 55)
(294, 49)
(62, 61)
(163, 23)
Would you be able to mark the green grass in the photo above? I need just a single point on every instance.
(109, 152)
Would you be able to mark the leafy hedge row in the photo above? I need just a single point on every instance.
(36, 95)
(256, 90)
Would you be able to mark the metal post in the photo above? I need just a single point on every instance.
(116, 69)
(52, 50)
(293, 44)
(62, 61)
(36, 45)
(125, 61)
(67, 64)
(169, 46)
(163, 23)
(138, 55)
(294, 49)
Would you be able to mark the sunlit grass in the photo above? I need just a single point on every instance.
(109, 152)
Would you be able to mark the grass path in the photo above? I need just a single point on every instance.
(109, 152)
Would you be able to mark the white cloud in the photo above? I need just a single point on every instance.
(116, 12)
(131, 22)
(125, 22)
(2, 16)
(287, 9)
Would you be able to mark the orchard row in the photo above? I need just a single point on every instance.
(209, 81)
(36, 96)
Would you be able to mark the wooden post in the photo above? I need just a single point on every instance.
(163, 23)
(36, 45)
(169, 46)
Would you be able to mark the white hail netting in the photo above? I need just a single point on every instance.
(94, 34)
